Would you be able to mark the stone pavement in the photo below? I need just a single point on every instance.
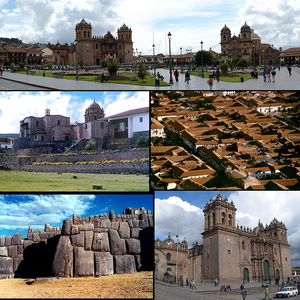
(254, 290)
(283, 81)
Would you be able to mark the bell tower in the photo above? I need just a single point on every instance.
(225, 41)
(83, 31)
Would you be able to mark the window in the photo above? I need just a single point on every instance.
(58, 123)
(141, 119)
(85, 126)
(101, 125)
(243, 245)
(168, 256)
(37, 123)
(223, 218)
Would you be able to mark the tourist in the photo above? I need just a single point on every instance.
(187, 77)
(176, 74)
(267, 293)
(264, 73)
(216, 282)
(218, 75)
(273, 75)
(210, 82)
(1, 69)
(269, 75)
(290, 70)
(244, 294)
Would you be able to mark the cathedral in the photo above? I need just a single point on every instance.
(230, 253)
(247, 45)
(92, 49)
(59, 131)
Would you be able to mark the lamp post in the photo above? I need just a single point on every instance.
(177, 236)
(26, 60)
(254, 55)
(169, 36)
(77, 77)
(154, 73)
(202, 75)
(189, 51)
(3, 58)
(181, 60)
(263, 58)
(269, 60)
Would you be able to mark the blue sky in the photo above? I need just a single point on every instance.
(18, 212)
(190, 21)
(15, 106)
(181, 213)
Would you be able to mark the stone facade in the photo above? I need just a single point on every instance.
(230, 252)
(92, 50)
(247, 45)
(83, 246)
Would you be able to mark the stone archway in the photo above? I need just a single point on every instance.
(97, 61)
(246, 275)
(266, 270)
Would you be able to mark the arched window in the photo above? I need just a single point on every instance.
(96, 46)
(169, 270)
(243, 245)
(230, 220)
(208, 221)
(223, 218)
(224, 37)
(84, 34)
(244, 35)
(88, 34)
(168, 256)
(214, 220)
(58, 123)
(37, 123)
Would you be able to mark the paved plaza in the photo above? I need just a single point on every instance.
(207, 291)
(283, 81)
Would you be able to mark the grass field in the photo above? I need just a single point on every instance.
(21, 181)
(148, 81)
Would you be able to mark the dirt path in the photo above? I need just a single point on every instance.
(134, 285)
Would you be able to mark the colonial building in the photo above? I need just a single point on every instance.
(247, 45)
(290, 56)
(40, 131)
(92, 49)
(229, 252)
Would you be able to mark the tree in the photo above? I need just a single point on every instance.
(142, 141)
(103, 64)
(224, 68)
(112, 68)
(208, 59)
(142, 71)
(22, 65)
(243, 63)
(90, 146)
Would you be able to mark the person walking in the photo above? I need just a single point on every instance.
(269, 75)
(273, 75)
(216, 282)
(244, 294)
(290, 70)
(176, 74)
(218, 75)
(264, 73)
(187, 77)
(210, 82)
(1, 69)
(267, 293)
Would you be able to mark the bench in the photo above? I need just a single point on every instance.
(134, 78)
(161, 77)
(98, 78)
(58, 75)
(97, 187)
(31, 72)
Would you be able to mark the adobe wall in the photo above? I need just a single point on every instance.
(83, 246)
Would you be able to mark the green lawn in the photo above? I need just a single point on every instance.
(21, 181)
(235, 78)
(148, 81)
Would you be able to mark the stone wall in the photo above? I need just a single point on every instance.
(83, 246)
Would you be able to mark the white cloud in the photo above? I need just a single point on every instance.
(23, 211)
(179, 218)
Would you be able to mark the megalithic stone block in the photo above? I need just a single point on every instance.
(101, 242)
(3, 251)
(78, 239)
(6, 265)
(133, 246)
(63, 260)
(2, 240)
(16, 239)
(12, 251)
(7, 240)
(124, 230)
(66, 228)
(103, 264)
(117, 245)
(88, 240)
(135, 232)
(124, 264)
(84, 262)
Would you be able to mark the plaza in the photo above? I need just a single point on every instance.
(283, 81)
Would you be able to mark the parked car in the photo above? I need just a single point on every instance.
(287, 292)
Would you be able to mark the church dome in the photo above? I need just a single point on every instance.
(245, 27)
(225, 29)
(94, 105)
(94, 112)
(254, 36)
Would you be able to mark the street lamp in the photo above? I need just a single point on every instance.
(77, 77)
(154, 73)
(169, 36)
(181, 60)
(26, 60)
(202, 75)
(177, 236)
(189, 51)
(263, 57)
(254, 55)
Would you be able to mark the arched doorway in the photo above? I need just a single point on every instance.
(97, 61)
(266, 270)
(277, 274)
(120, 60)
(246, 275)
